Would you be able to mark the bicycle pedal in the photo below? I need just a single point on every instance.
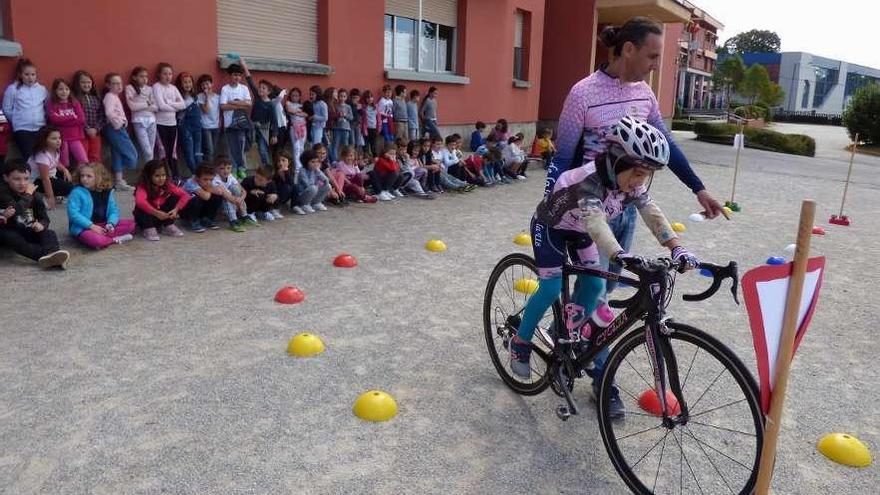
(563, 413)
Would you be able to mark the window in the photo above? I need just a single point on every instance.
(432, 49)
(271, 38)
(518, 72)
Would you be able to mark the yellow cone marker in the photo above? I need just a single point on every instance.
(845, 449)
(305, 345)
(678, 227)
(727, 210)
(435, 245)
(375, 405)
(525, 285)
(523, 239)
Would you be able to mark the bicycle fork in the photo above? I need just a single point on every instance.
(665, 365)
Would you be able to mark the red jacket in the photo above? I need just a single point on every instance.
(5, 132)
(148, 205)
(386, 166)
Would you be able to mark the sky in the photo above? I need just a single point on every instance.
(842, 29)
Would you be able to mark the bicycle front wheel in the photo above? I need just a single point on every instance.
(714, 448)
(511, 284)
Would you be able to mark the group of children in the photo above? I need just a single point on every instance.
(346, 148)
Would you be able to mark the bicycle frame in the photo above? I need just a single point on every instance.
(647, 304)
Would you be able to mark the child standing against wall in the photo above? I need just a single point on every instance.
(65, 112)
(169, 101)
(210, 105)
(84, 91)
(23, 105)
(190, 122)
(139, 98)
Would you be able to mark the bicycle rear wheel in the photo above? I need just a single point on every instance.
(510, 285)
(716, 449)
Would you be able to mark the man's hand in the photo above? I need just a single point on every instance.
(91, 131)
(271, 198)
(37, 227)
(687, 259)
(257, 192)
(161, 215)
(97, 229)
(8, 212)
(711, 207)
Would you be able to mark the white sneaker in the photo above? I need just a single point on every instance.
(521, 177)
(319, 207)
(308, 209)
(123, 238)
(277, 214)
(121, 185)
(298, 210)
(397, 193)
(268, 216)
(384, 196)
(58, 258)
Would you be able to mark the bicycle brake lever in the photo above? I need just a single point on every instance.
(719, 274)
(734, 279)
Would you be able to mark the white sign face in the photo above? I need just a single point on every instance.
(772, 295)
(739, 141)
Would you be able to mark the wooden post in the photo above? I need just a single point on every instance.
(852, 155)
(736, 161)
(786, 346)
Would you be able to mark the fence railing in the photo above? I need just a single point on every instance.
(807, 117)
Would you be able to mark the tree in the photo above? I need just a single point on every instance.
(755, 82)
(729, 75)
(862, 115)
(754, 41)
(771, 94)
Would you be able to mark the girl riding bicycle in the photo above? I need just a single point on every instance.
(573, 219)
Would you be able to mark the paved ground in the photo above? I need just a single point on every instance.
(160, 367)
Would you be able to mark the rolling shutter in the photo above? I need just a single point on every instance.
(443, 12)
(273, 29)
(402, 8)
(518, 30)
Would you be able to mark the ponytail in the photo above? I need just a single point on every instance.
(633, 31)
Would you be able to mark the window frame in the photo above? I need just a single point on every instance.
(521, 79)
(419, 23)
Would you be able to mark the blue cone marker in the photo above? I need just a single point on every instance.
(775, 260)
(706, 272)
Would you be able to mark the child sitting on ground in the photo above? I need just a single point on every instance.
(45, 165)
(448, 158)
(544, 146)
(24, 223)
(284, 179)
(353, 178)
(432, 181)
(92, 214)
(313, 185)
(234, 204)
(386, 174)
(261, 197)
(205, 201)
(337, 178)
(158, 201)
(410, 170)
(515, 157)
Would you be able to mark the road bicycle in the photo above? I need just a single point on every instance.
(693, 421)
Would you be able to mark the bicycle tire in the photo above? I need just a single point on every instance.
(491, 329)
(743, 379)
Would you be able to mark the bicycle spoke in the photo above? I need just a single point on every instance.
(688, 374)
(657, 474)
(723, 428)
(714, 466)
(627, 392)
(633, 467)
(717, 408)
(707, 388)
(640, 432)
(691, 469)
(691, 433)
(637, 372)
(680, 468)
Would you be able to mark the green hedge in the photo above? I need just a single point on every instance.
(753, 112)
(758, 138)
(682, 125)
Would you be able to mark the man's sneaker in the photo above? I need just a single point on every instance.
(123, 238)
(384, 196)
(236, 227)
(298, 210)
(308, 209)
(268, 216)
(397, 193)
(197, 226)
(520, 356)
(172, 230)
(616, 408)
(319, 207)
(521, 177)
(277, 214)
(250, 220)
(151, 234)
(58, 258)
(210, 224)
(121, 185)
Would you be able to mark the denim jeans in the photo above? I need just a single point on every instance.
(341, 137)
(122, 151)
(263, 148)
(210, 141)
(317, 133)
(235, 139)
(191, 143)
(313, 194)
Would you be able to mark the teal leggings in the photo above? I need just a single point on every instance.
(587, 290)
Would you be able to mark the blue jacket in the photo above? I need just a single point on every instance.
(79, 210)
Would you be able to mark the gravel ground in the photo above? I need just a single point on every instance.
(161, 367)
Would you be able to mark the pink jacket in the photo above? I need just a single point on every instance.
(142, 105)
(68, 117)
(114, 111)
(169, 102)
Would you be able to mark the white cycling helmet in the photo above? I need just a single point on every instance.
(642, 141)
